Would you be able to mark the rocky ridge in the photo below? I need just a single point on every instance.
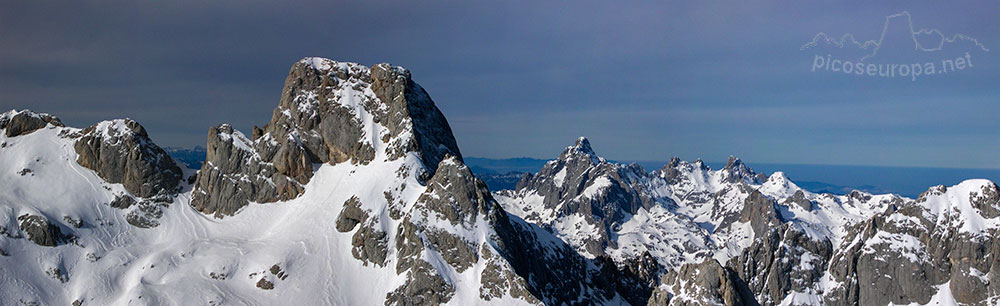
(329, 112)
(765, 241)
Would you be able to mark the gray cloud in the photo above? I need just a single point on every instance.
(643, 80)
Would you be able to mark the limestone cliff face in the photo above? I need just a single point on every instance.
(905, 255)
(329, 112)
(706, 283)
(120, 151)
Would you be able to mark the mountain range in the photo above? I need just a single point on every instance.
(501, 174)
(356, 193)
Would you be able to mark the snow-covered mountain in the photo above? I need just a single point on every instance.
(356, 193)
(734, 236)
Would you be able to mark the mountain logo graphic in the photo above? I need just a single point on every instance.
(912, 53)
(925, 40)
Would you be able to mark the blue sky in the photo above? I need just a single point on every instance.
(643, 81)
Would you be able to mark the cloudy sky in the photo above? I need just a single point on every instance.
(644, 81)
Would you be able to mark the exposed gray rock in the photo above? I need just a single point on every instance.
(316, 122)
(370, 245)
(122, 201)
(760, 212)
(146, 214)
(497, 280)
(455, 194)
(782, 261)
(16, 123)
(799, 198)
(736, 171)
(987, 201)
(278, 272)
(120, 151)
(934, 251)
(351, 215)
(39, 230)
(670, 172)
(75, 222)
(235, 174)
(707, 283)
(57, 274)
(423, 287)
(564, 182)
(456, 252)
(635, 279)
(265, 284)
(529, 262)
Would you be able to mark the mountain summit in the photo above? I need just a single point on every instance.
(330, 112)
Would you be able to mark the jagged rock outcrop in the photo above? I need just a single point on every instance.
(40, 230)
(706, 283)
(777, 239)
(120, 151)
(16, 123)
(635, 279)
(330, 112)
(351, 215)
(785, 259)
(799, 198)
(235, 173)
(736, 171)
(759, 211)
(524, 266)
(908, 254)
(580, 183)
(670, 171)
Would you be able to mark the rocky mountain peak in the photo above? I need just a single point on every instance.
(736, 171)
(120, 151)
(674, 162)
(779, 183)
(21, 122)
(700, 164)
(734, 163)
(581, 149)
(346, 111)
(118, 130)
(582, 145)
(329, 112)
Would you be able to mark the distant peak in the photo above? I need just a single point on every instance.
(735, 171)
(733, 162)
(778, 176)
(780, 179)
(700, 164)
(581, 149)
(583, 145)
